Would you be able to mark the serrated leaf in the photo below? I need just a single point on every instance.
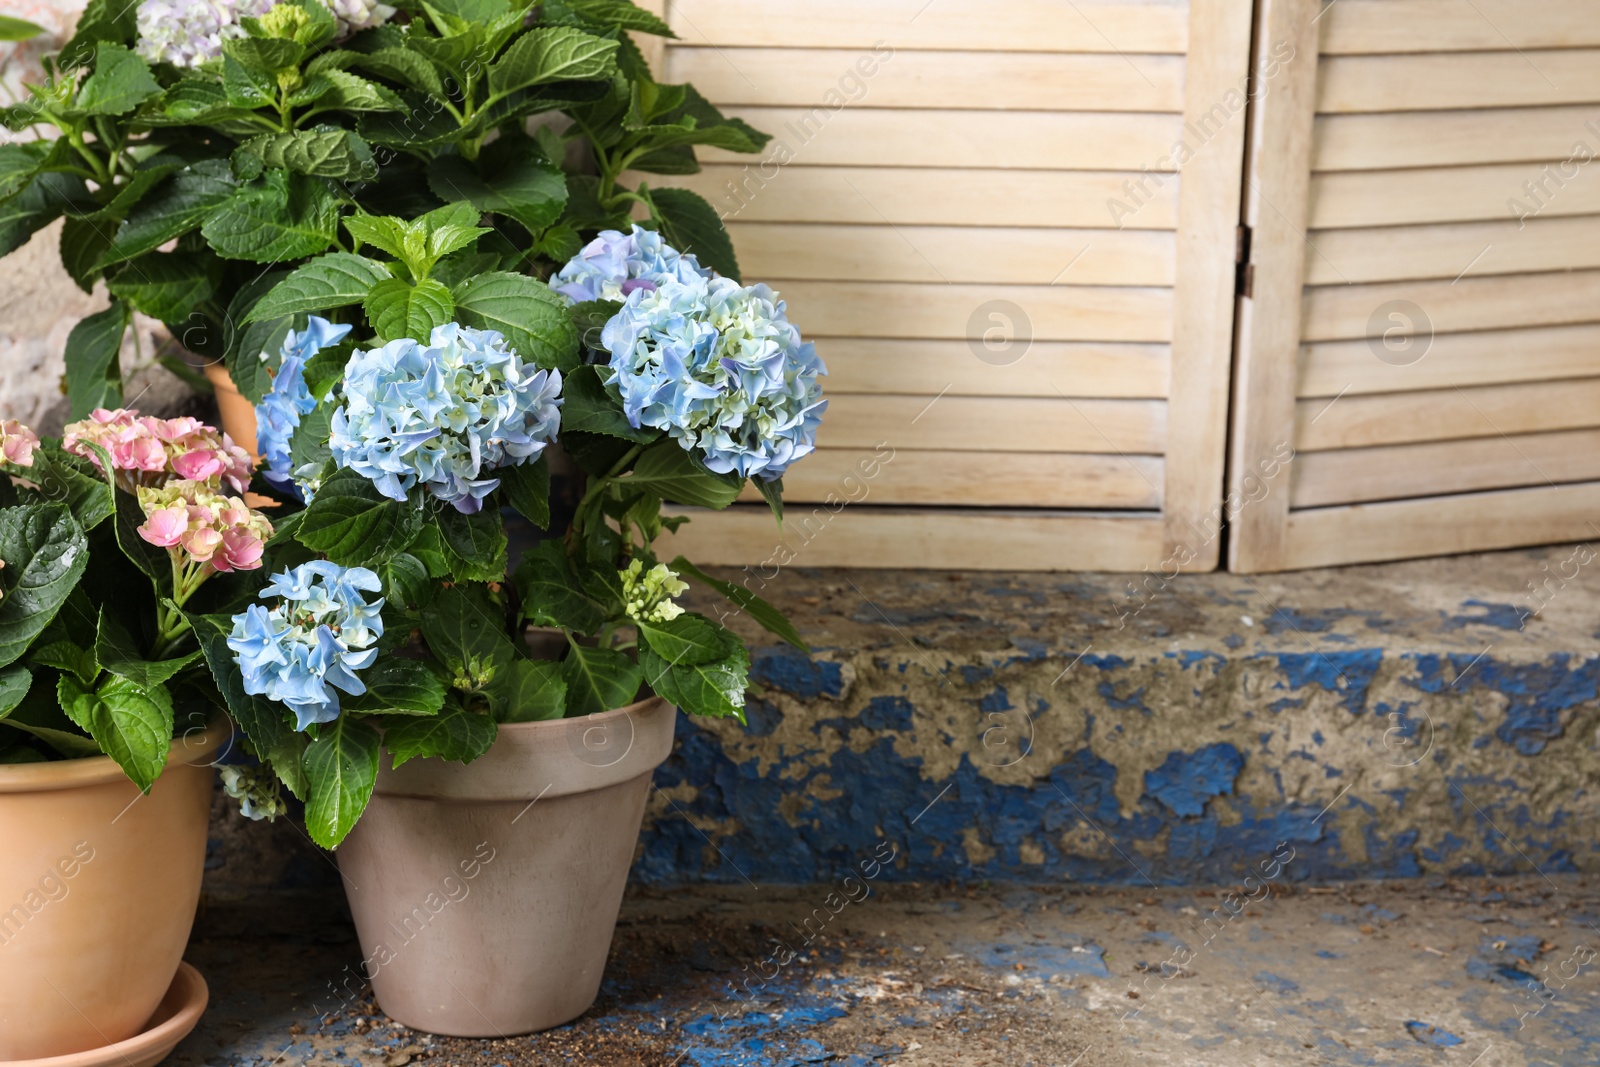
(121, 82)
(45, 554)
(526, 189)
(406, 583)
(94, 370)
(715, 690)
(403, 68)
(396, 308)
(355, 525)
(527, 488)
(552, 54)
(71, 480)
(349, 92)
(335, 280)
(66, 657)
(666, 470)
(532, 318)
(589, 407)
(116, 652)
(476, 543)
(537, 692)
(281, 216)
(621, 14)
(264, 722)
(398, 687)
(323, 152)
(14, 683)
(772, 493)
(456, 734)
(599, 679)
(402, 240)
(769, 617)
(185, 201)
(165, 285)
(102, 20)
(691, 225)
(264, 54)
(551, 593)
(131, 724)
(465, 629)
(688, 639)
(41, 202)
(341, 768)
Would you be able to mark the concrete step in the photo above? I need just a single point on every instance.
(1381, 721)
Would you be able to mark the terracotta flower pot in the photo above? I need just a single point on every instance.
(486, 895)
(234, 410)
(98, 890)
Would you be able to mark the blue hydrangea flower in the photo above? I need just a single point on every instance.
(280, 411)
(615, 264)
(310, 645)
(720, 368)
(442, 415)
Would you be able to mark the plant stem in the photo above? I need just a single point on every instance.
(591, 497)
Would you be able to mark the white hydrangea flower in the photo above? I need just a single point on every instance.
(648, 594)
(356, 15)
(187, 33)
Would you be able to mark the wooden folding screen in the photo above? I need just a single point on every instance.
(973, 208)
(1423, 328)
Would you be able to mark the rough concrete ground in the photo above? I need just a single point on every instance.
(1470, 972)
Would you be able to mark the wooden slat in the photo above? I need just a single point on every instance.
(974, 479)
(1462, 80)
(1048, 368)
(793, 77)
(1446, 414)
(984, 424)
(1025, 140)
(1337, 312)
(1451, 138)
(1395, 253)
(1269, 321)
(1433, 526)
(1380, 26)
(1451, 194)
(1460, 359)
(1049, 313)
(1018, 25)
(859, 536)
(1349, 476)
(976, 254)
(878, 195)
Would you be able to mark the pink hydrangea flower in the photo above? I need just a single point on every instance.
(199, 526)
(165, 527)
(149, 452)
(17, 443)
(240, 550)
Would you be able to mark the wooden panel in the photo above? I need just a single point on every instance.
(974, 479)
(877, 195)
(1448, 138)
(1433, 526)
(1452, 194)
(1444, 414)
(1393, 253)
(1025, 140)
(1352, 475)
(1054, 313)
(1017, 25)
(1464, 359)
(791, 77)
(1369, 26)
(918, 538)
(1046, 368)
(955, 254)
(982, 424)
(1336, 312)
(1446, 82)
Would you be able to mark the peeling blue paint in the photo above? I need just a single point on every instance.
(1349, 672)
(1184, 782)
(787, 668)
(1538, 693)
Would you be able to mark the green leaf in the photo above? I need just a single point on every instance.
(398, 687)
(165, 285)
(470, 10)
(551, 593)
(715, 690)
(770, 618)
(66, 657)
(402, 240)
(71, 480)
(621, 14)
(41, 202)
(131, 724)
(552, 54)
(396, 308)
(15, 29)
(341, 768)
(590, 318)
(533, 319)
(666, 470)
(465, 629)
(288, 759)
(191, 196)
(349, 92)
(772, 493)
(335, 280)
(281, 216)
(45, 555)
(323, 152)
(406, 583)
(527, 488)
(102, 20)
(537, 692)
(115, 651)
(524, 188)
(264, 722)
(476, 543)
(94, 370)
(18, 163)
(83, 243)
(267, 55)
(599, 679)
(688, 640)
(121, 82)
(14, 683)
(456, 734)
(355, 525)
(39, 715)
(691, 225)
(403, 68)
(589, 407)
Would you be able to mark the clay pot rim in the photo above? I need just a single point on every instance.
(188, 996)
(638, 707)
(98, 770)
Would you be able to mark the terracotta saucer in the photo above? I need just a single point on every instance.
(176, 1015)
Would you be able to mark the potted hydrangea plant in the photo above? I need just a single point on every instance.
(108, 721)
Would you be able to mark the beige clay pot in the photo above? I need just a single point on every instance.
(485, 895)
(234, 410)
(98, 890)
